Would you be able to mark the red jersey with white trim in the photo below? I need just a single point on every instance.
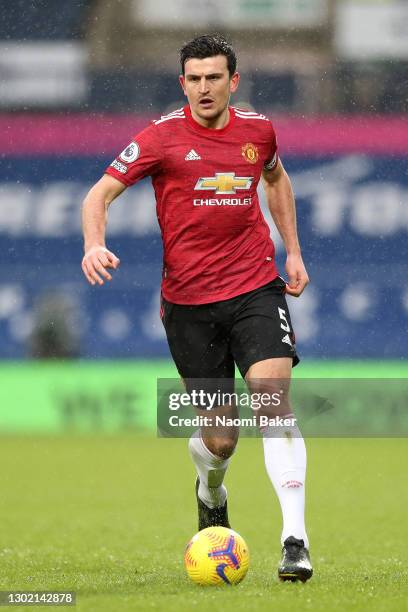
(216, 242)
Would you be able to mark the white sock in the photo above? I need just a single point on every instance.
(285, 460)
(210, 470)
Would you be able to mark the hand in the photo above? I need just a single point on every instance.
(297, 275)
(95, 263)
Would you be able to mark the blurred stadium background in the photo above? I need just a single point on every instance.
(78, 79)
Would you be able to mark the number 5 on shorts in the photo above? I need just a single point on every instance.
(282, 316)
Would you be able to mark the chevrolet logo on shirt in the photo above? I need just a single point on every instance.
(224, 182)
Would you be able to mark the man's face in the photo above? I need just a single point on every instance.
(208, 86)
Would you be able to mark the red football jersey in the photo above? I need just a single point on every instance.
(216, 241)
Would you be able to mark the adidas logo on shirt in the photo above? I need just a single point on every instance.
(192, 155)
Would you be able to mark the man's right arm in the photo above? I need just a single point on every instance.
(97, 257)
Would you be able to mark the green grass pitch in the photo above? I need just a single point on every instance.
(109, 516)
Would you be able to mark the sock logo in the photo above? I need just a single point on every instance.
(292, 484)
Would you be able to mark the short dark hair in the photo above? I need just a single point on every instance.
(209, 45)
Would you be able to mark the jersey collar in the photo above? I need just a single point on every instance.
(204, 130)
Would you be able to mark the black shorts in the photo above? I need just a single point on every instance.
(207, 340)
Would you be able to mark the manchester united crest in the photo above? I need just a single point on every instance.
(250, 153)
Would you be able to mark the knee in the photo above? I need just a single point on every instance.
(221, 447)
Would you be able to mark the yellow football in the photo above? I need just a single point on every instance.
(216, 555)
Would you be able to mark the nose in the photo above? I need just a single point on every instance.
(203, 85)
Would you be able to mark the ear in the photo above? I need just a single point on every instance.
(234, 82)
(183, 83)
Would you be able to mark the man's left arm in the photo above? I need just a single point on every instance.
(281, 203)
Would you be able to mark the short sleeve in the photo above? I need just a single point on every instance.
(272, 159)
(141, 157)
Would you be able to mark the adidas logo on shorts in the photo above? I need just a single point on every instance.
(192, 155)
